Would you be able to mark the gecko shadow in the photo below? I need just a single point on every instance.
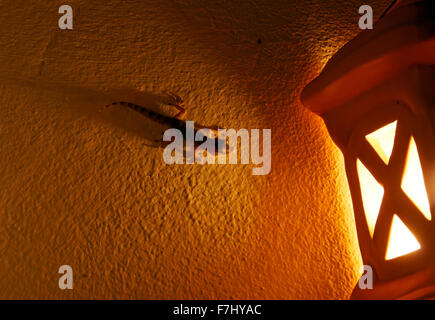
(148, 116)
(91, 102)
(142, 114)
(94, 105)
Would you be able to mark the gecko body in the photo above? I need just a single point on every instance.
(173, 122)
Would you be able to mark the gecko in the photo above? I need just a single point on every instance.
(173, 122)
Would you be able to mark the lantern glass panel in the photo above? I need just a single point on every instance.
(382, 140)
(413, 181)
(372, 193)
(401, 240)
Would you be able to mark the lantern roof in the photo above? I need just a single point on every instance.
(402, 38)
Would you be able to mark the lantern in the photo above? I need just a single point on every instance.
(376, 96)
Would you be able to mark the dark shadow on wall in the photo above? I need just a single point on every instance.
(93, 103)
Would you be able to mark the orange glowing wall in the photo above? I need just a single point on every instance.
(81, 188)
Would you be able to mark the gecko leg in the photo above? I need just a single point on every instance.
(157, 143)
(176, 102)
(181, 111)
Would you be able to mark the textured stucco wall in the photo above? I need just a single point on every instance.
(80, 186)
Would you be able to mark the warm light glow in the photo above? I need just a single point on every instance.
(382, 140)
(401, 241)
(413, 181)
(372, 193)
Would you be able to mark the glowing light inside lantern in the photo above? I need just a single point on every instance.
(413, 181)
(372, 193)
(401, 240)
(382, 140)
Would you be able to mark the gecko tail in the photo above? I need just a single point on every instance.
(122, 103)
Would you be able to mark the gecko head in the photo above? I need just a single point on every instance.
(221, 144)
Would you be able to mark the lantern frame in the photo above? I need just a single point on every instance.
(382, 76)
(395, 201)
